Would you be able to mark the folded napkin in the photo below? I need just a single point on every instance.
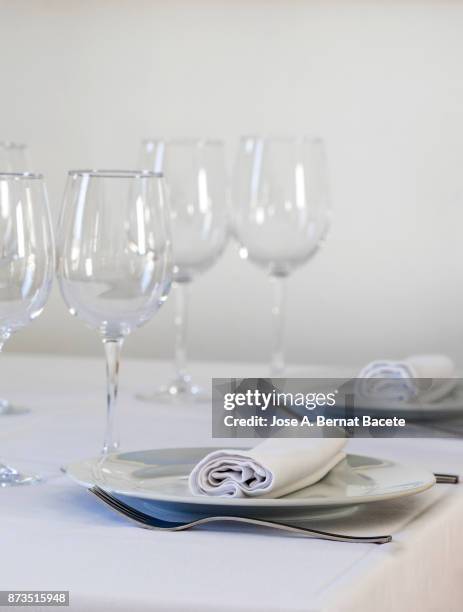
(274, 468)
(428, 378)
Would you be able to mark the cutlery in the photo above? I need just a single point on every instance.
(447, 478)
(150, 522)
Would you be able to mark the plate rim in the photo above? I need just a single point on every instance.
(257, 502)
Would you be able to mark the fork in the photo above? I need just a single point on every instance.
(150, 522)
(447, 478)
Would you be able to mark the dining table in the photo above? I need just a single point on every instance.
(55, 535)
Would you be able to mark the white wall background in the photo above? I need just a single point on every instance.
(83, 81)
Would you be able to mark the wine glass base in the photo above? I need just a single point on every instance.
(9, 477)
(9, 409)
(178, 391)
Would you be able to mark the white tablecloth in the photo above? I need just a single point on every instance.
(57, 536)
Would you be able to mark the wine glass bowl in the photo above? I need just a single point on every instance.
(114, 250)
(280, 196)
(26, 249)
(194, 171)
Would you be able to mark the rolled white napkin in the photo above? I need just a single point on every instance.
(274, 468)
(403, 380)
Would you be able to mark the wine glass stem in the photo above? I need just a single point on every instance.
(277, 365)
(180, 322)
(5, 470)
(113, 352)
(4, 405)
(4, 336)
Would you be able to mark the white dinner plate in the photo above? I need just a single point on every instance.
(158, 480)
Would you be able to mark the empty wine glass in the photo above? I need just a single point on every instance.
(281, 212)
(12, 159)
(195, 181)
(26, 266)
(114, 260)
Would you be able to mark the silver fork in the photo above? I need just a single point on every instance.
(447, 478)
(151, 522)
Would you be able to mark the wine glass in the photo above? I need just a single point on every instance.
(281, 213)
(195, 182)
(26, 266)
(114, 260)
(12, 159)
